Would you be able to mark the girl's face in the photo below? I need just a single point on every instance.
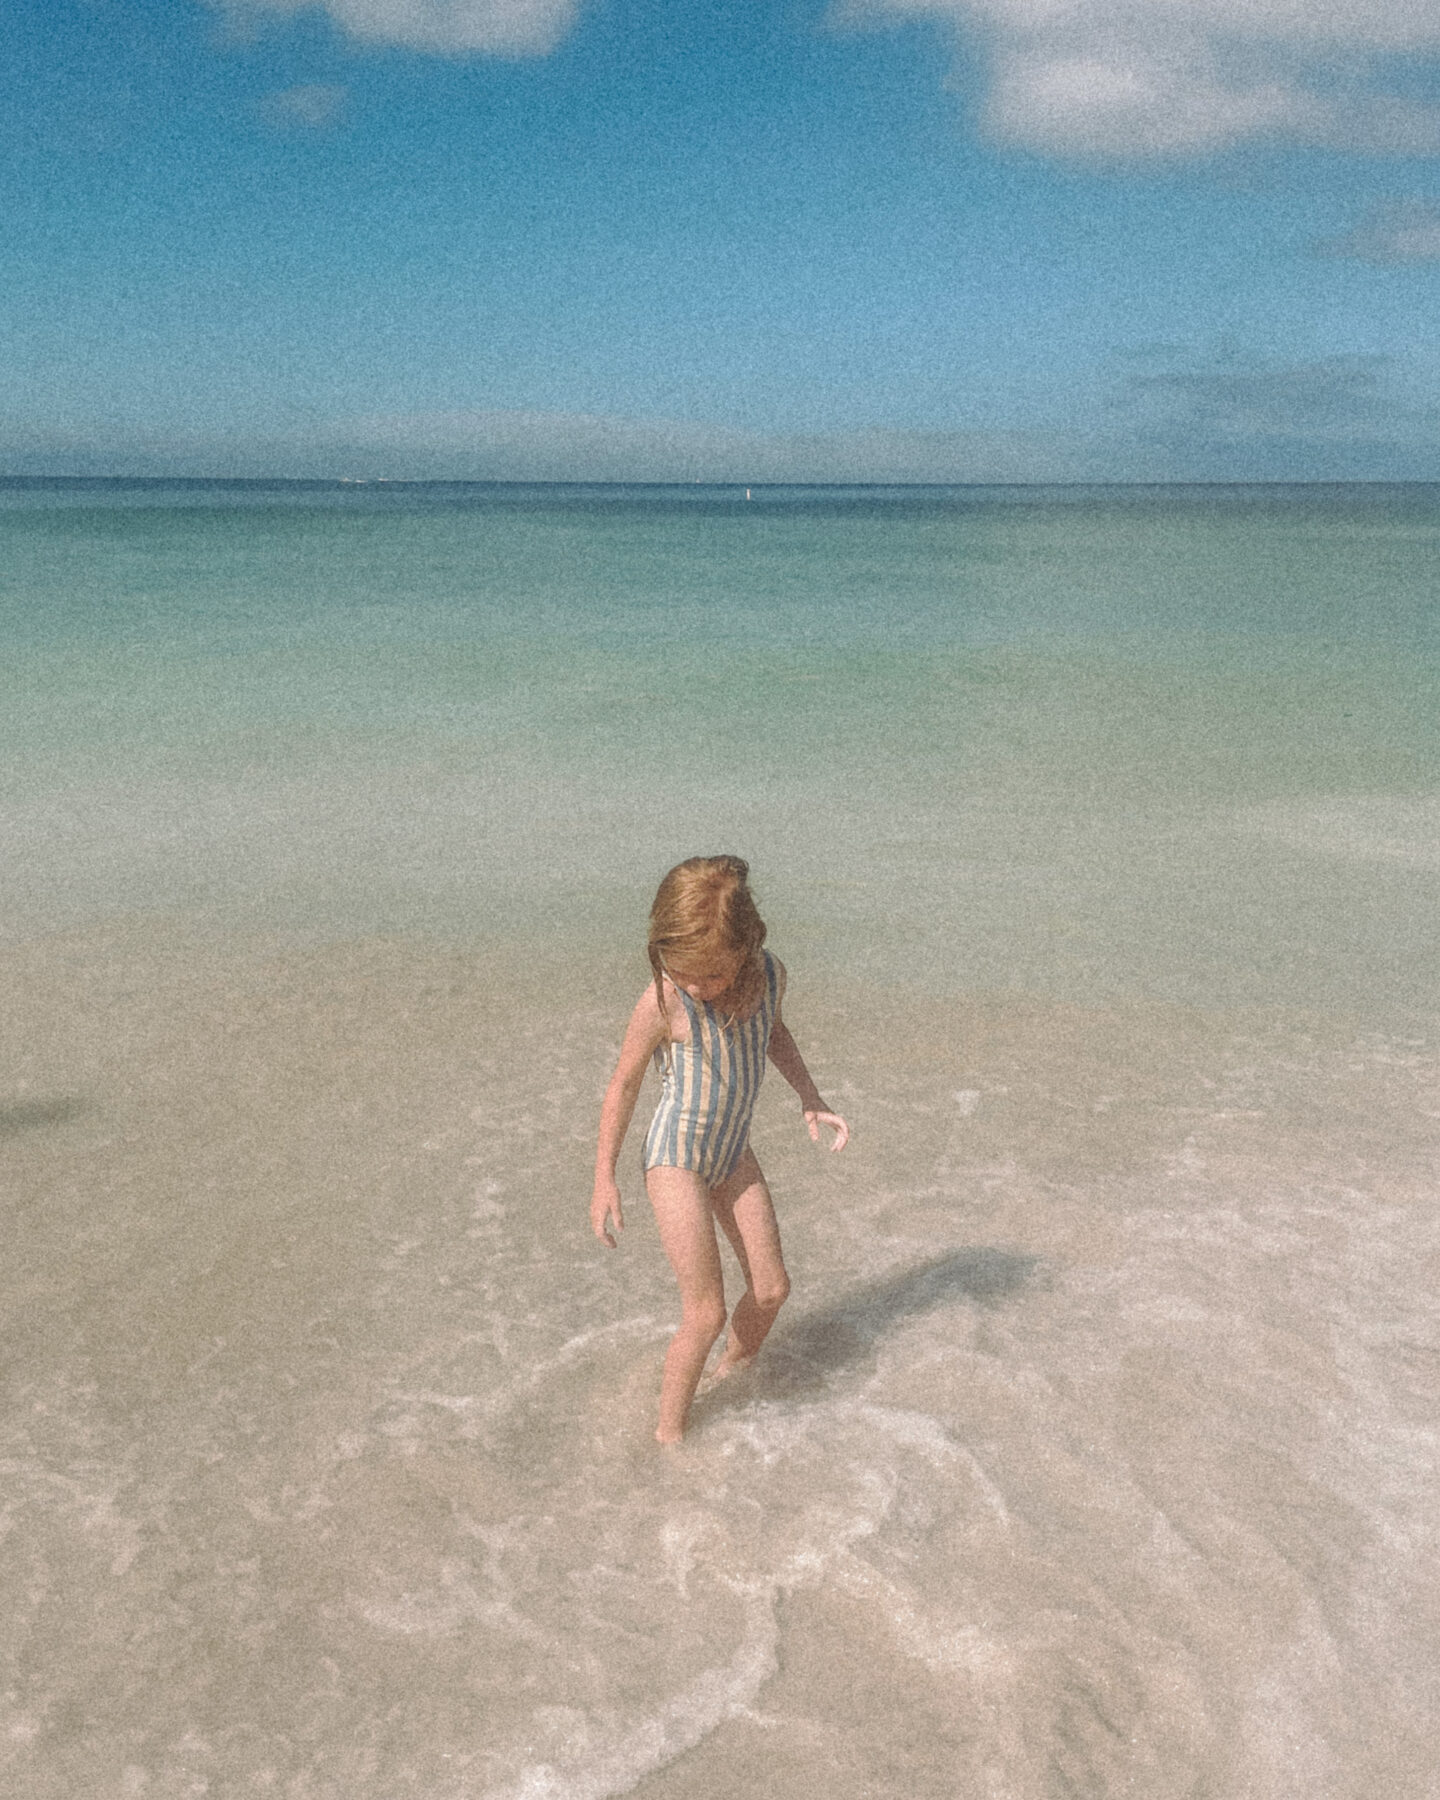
(717, 977)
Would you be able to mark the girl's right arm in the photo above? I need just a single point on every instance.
(644, 1034)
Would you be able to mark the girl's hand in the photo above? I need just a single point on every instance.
(817, 1118)
(605, 1208)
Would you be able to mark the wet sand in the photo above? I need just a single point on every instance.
(1095, 1453)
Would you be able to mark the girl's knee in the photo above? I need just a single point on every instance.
(773, 1293)
(704, 1320)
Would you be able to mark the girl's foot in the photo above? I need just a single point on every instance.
(727, 1365)
(730, 1364)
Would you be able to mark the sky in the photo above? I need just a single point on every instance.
(765, 240)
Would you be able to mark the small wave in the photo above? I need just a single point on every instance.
(1358, 828)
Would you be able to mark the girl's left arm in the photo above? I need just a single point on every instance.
(785, 1054)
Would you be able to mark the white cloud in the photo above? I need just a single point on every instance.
(1398, 231)
(445, 27)
(1164, 78)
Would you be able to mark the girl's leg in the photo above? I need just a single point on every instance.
(742, 1205)
(687, 1230)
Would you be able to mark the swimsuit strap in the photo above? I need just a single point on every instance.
(693, 1006)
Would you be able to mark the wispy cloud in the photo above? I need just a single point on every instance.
(444, 27)
(1241, 397)
(1168, 78)
(541, 446)
(1397, 231)
(1244, 417)
(1165, 413)
(313, 106)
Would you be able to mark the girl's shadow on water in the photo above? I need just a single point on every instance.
(801, 1359)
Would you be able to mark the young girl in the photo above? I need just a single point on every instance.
(708, 1021)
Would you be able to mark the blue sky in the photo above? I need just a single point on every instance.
(676, 239)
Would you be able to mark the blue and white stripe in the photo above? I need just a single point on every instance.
(711, 1079)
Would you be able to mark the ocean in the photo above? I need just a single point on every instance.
(1095, 1452)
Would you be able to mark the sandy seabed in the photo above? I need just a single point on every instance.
(1095, 1454)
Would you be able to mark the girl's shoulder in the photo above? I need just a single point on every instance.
(668, 1016)
(648, 1027)
(768, 983)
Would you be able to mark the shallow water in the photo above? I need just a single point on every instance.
(1095, 1452)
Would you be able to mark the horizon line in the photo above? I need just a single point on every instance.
(687, 485)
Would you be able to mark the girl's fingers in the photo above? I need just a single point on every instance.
(601, 1219)
(842, 1131)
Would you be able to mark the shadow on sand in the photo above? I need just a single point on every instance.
(30, 1115)
(800, 1358)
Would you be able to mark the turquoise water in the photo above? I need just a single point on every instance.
(1153, 741)
(1095, 1451)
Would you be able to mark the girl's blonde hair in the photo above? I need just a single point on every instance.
(703, 909)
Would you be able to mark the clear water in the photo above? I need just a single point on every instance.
(1094, 1454)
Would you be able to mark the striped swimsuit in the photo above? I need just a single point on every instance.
(710, 1080)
